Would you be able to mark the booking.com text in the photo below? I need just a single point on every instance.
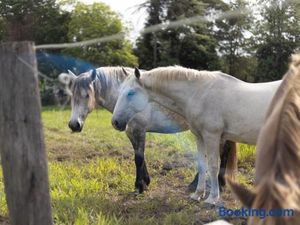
(249, 212)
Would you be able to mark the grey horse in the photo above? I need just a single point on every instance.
(101, 87)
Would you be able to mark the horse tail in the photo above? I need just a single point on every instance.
(231, 165)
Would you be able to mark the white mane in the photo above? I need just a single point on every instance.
(154, 78)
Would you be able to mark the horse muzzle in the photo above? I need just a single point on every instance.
(118, 125)
(75, 126)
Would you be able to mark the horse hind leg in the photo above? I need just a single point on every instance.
(227, 165)
(224, 153)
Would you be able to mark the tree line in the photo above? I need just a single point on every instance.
(249, 39)
(252, 40)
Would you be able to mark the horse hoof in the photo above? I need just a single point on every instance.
(195, 196)
(136, 192)
(209, 206)
(139, 188)
(215, 206)
(147, 180)
(214, 202)
(145, 185)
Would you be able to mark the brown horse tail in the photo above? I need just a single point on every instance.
(231, 165)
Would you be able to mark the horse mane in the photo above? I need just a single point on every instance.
(116, 72)
(106, 75)
(156, 77)
(277, 178)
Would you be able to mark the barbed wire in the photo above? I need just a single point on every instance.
(82, 43)
(33, 69)
(150, 29)
(156, 28)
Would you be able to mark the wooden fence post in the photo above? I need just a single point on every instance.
(22, 148)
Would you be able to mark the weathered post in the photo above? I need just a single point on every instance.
(22, 148)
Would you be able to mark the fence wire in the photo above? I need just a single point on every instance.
(158, 27)
(150, 29)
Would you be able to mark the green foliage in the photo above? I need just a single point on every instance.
(277, 37)
(244, 67)
(198, 52)
(231, 35)
(19, 10)
(178, 45)
(94, 21)
(246, 154)
(150, 45)
(251, 47)
(53, 28)
(41, 21)
(37, 20)
(47, 97)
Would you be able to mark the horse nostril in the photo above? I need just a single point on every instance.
(74, 126)
(118, 125)
(77, 126)
(115, 123)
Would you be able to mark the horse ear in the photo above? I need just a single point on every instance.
(137, 73)
(242, 193)
(124, 71)
(66, 78)
(93, 74)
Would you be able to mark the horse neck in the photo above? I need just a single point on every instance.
(107, 89)
(174, 95)
(166, 102)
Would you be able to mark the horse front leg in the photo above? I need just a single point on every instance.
(212, 144)
(137, 138)
(202, 166)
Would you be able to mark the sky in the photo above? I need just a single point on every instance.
(128, 9)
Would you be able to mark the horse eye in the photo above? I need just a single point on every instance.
(131, 93)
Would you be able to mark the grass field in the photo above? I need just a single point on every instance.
(92, 175)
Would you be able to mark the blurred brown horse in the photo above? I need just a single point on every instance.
(277, 178)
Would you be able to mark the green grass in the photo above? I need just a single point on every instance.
(92, 175)
(246, 154)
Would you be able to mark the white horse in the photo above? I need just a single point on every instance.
(101, 87)
(215, 105)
